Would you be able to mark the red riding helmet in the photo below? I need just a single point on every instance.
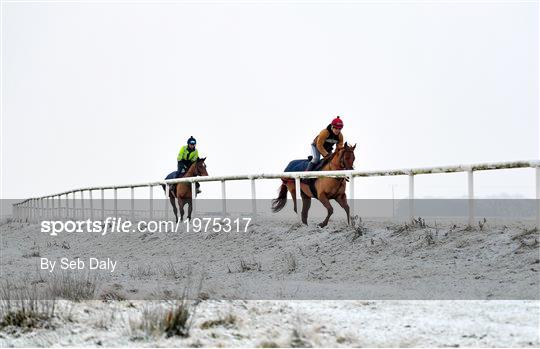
(337, 123)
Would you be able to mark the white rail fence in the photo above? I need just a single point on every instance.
(50, 206)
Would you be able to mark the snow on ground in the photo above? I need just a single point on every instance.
(301, 285)
(303, 323)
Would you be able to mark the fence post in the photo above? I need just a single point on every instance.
(166, 206)
(132, 204)
(538, 197)
(298, 201)
(470, 186)
(74, 206)
(223, 199)
(351, 194)
(53, 212)
(411, 196)
(253, 198)
(103, 205)
(116, 202)
(82, 204)
(91, 205)
(193, 195)
(151, 208)
(67, 205)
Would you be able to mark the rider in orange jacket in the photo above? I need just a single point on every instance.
(324, 143)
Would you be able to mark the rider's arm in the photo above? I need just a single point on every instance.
(321, 138)
(194, 155)
(340, 141)
(181, 153)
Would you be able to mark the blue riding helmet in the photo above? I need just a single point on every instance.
(191, 140)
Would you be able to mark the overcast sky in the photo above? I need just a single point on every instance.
(105, 93)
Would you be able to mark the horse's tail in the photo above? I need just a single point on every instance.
(281, 200)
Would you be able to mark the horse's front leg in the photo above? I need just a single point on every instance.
(173, 204)
(342, 201)
(326, 203)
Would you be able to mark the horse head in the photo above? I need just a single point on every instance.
(200, 167)
(343, 158)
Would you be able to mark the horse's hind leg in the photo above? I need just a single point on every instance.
(292, 189)
(306, 204)
(342, 201)
(181, 204)
(190, 208)
(173, 204)
(326, 203)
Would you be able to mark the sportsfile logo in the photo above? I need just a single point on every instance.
(110, 225)
(120, 225)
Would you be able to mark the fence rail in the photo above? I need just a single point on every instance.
(27, 209)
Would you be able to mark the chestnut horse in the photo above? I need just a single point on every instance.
(182, 191)
(326, 188)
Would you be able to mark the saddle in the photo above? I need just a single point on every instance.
(173, 175)
(301, 165)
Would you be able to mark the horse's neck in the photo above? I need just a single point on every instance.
(191, 171)
(330, 166)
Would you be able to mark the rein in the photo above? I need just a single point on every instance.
(341, 160)
(195, 171)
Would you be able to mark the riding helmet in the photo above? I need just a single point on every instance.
(337, 123)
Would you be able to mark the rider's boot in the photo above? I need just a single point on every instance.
(311, 166)
(198, 186)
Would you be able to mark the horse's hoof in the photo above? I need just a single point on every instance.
(322, 225)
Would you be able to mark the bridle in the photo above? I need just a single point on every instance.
(196, 171)
(342, 160)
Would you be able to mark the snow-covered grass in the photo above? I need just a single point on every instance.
(291, 323)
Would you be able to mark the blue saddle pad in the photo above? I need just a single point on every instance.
(301, 165)
(172, 175)
(297, 165)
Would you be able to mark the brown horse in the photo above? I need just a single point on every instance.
(182, 191)
(326, 188)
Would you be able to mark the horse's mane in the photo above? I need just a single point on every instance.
(331, 157)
